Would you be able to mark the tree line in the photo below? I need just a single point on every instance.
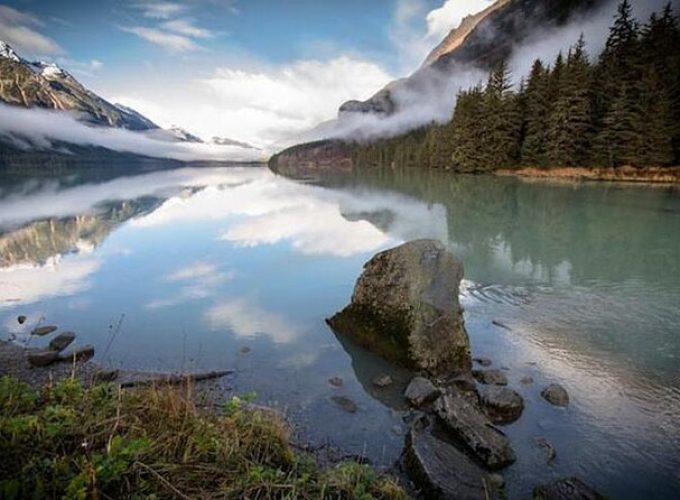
(623, 109)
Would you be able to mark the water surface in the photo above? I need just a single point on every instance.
(182, 269)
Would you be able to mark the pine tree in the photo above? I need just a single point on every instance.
(537, 109)
(468, 128)
(654, 145)
(570, 125)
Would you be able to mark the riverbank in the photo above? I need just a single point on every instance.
(657, 175)
(63, 433)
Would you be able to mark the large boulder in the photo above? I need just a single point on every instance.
(405, 308)
(441, 471)
(501, 404)
(556, 395)
(465, 420)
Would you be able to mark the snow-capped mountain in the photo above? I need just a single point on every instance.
(46, 85)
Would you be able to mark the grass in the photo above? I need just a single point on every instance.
(100, 442)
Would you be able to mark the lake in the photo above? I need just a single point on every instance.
(218, 268)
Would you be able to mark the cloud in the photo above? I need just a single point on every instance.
(26, 284)
(187, 27)
(163, 39)
(449, 16)
(39, 129)
(264, 105)
(159, 9)
(246, 319)
(19, 30)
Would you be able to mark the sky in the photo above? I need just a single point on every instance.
(252, 70)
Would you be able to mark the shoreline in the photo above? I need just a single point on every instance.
(646, 175)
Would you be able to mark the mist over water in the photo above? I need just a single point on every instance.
(196, 264)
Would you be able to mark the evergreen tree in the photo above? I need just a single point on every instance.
(537, 109)
(570, 125)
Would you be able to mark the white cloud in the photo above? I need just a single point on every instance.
(449, 16)
(26, 284)
(264, 105)
(160, 9)
(187, 27)
(167, 40)
(246, 319)
(37, 128)
(19, 30)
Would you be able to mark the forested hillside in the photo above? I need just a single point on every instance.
(622, 109)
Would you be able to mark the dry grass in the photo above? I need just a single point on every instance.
(68, 441)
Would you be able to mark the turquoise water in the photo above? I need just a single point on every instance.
(180, 270)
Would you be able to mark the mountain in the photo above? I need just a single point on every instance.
(481, 41)
(43, 85)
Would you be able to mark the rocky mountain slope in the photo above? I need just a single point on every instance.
(481, 41)
(43, 85)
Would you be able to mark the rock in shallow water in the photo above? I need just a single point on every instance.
(345, 403)
(556, 395)
(442, 471)
(61, 341)
(335, 381)
(41, 331)
(405, 307)
(566, 489)
(501, 405)
(21, 319)
(42, 358)
(84, 353)
(420, 392)
(491, 377)
(465, 420)
(483, 361)
(383, 381)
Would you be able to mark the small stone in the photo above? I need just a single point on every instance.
(501, 405)
(41, 331)
(566, 489)
(61, 341)
(345, 403)
(245, 350)
(527, 380)
(396, 430)
(501, 325)
(84, 353)
(42, 358)
(21, 319)
(482, 361)
(383, 381)
(556, 395)
(420, 391)
(490, 377)
(464, 382)
(335, 381)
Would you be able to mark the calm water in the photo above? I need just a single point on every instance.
(187, 267)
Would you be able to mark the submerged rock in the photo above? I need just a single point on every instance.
(556, 395)
(420, 391)
(490, 377)
(442, 471)
(405, 307)
(468, 423)
(483, 361)
(566, 489)
(551, 453)
(42, 358)
(383, 381)
(335, 381)
(345, 403)
(501, 405)
(41, 331)
(527, 380)
(84, 353)
(61, 341)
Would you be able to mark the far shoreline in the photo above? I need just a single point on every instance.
(649, 175)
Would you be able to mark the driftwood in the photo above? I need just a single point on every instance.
(175, 379)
